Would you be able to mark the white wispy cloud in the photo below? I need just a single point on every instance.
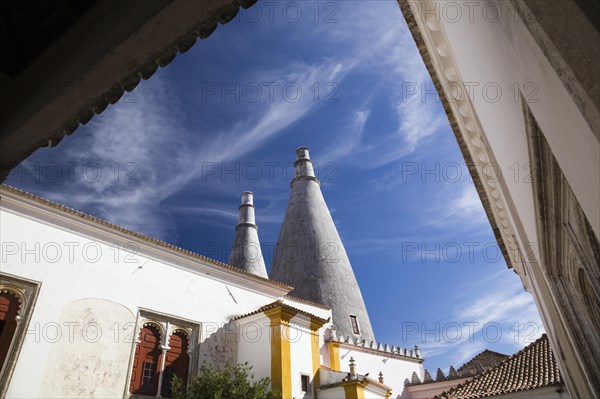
(386, 48)
(352, 140)
(253, 132)
(493, 311)
(137, 154)
(456, 205)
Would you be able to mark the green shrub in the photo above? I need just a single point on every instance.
(228, 382)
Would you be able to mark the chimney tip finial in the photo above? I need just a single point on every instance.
(247, 198)
(302, 153)
(352, 367)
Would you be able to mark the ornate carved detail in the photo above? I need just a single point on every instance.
(430, 37)
(569, 250)
(145, 322)
(26, 292)
(17, 293)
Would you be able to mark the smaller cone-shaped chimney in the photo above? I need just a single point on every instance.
(246, 253)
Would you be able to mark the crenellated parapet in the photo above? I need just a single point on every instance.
(453, 374)
(378, 347)
(483, 361)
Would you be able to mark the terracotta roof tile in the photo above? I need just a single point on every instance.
(306, 301)
(532, 367)
(275, 304)
(481, 362)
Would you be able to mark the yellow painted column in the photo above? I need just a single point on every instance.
(281, 362)
(334, 355)
(315, 324)
(354, 389)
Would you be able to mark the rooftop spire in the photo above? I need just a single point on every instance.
(311, 258)
(246, 253)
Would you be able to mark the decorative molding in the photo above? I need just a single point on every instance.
(335, 340)
(432, 42)
(166, 325)
(27, 292)
(569, 256)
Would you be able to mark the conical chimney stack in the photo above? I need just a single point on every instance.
(311, 258)
(246, 253)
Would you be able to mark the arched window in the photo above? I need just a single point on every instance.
(177, 361)
(146, 364)
(9, 308)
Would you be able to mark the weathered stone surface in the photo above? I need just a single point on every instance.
(310, 255)
(246, 253)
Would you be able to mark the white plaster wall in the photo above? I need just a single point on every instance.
(332, 393)
(301, 355)
(220, 347)
(85, 355)
(324, 352)
(394, 370)
(323, 313)
(254, 344)
(371, 393)
(329, 377)
(424, 391)
(554, 392)
(507, 53)
(338, 393)
(131, 281)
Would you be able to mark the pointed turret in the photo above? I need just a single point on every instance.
(246, 253)
(311, 258)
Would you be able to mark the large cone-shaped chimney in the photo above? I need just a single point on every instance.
(311, 258)
(246, 253)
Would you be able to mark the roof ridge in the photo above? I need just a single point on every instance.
(481, 353)
(308, 302)
(121, 229)
(477, 378)
(271, 305)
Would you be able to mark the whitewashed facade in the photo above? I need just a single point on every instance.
(87, 287)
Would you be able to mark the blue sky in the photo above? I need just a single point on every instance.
(171, 159)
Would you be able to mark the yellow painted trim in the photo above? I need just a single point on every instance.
(281, 361)
(316, 353)
(354, 389)
(334, 355)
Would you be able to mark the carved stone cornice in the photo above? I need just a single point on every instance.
(429, 34)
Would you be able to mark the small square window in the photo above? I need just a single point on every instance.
(354, 322)
(305, 382)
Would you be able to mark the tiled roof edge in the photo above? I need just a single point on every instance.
(531, 346)
(272, 305)
(148, 239)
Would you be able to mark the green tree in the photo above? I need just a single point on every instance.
(228, 382)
